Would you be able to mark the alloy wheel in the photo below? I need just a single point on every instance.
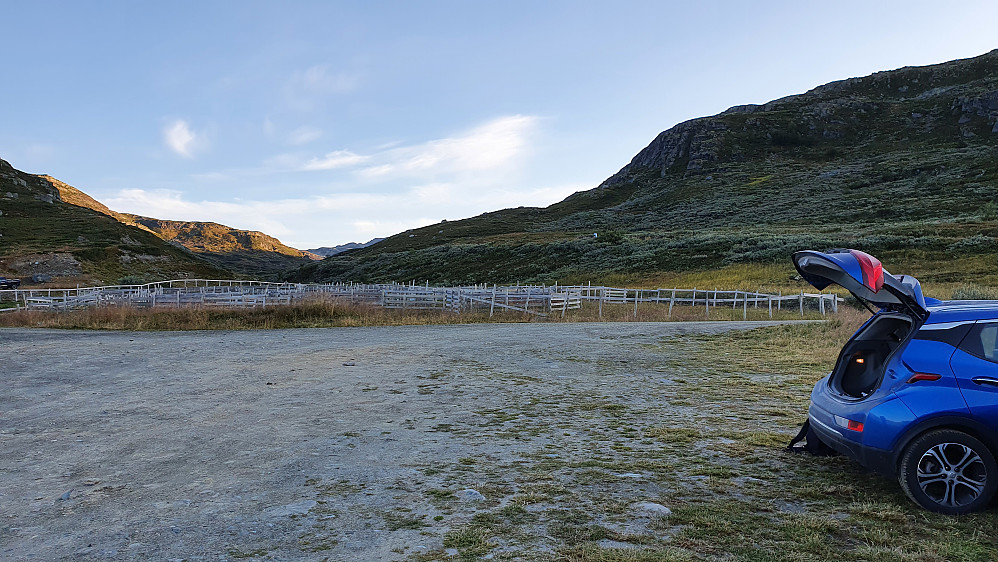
(951, 474)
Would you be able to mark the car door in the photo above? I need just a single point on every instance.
(975, 364)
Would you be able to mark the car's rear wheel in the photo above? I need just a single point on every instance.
(948, 471)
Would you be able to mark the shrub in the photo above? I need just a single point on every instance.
(131, 280)
(976, 242)
(971, 292)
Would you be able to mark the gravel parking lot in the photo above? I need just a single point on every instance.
(342, 444)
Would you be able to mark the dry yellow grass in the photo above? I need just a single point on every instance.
(794, 349)
(323, 313)
(312, 314)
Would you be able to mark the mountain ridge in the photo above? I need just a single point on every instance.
(216, 248)
(327, 251)
(43, 237)
(900, 162)
(245, 251)
(242, 251)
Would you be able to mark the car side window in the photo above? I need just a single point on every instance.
(982, 342)
(988, 333)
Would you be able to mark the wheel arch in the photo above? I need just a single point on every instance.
(969, 426)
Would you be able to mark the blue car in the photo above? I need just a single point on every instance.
(914, 393)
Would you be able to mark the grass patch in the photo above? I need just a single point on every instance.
(395, 521)
(311, 314)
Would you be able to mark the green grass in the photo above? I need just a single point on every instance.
(716, 461)
(847, 166)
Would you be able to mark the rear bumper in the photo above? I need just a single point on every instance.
(877, 460)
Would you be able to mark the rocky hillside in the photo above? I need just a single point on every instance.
(903, 163)
(244, 251)
(52, 239)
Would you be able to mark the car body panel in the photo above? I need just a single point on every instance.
(881, 425)
(864, 277)
(972, 376)
(962, 311)
(927, 397)
(954, 356)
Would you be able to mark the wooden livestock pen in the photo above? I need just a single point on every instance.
(528, 299)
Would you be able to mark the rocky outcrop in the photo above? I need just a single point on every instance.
(689, 146)
(212, 237)
(955, 100)
(53, 264)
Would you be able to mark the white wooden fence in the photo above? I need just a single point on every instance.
(529, 299)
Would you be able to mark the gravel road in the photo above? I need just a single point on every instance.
(341, 444)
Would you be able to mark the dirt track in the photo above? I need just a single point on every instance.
(347, 444)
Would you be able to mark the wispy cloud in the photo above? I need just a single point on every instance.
(358, 195)
(338, 218)
(495, 145)
(179, 138)
(335, 159)
(490, 146)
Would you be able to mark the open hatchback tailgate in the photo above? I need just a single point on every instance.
(862, 275)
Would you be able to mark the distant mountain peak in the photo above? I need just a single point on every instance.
(327, 251)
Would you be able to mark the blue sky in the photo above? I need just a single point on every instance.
(328, 122)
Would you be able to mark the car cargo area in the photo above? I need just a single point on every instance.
(861, 364)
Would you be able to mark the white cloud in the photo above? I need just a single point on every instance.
(498, 145)
(357, 196)
(179, 137)
(492, 146)
(335, 159)
(339, 218)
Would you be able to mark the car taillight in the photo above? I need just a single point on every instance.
(924, 377)
(849, 424)
(873, 271)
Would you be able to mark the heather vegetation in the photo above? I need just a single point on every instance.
(45, 221)
(902, 164)
(80, 244)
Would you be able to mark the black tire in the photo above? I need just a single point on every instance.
(948, 471)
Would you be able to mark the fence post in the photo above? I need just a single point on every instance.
(493, 307)
(745, 307)
(706, 304)
(770, 299)
(636, 302)
(672, 301)
(821, 302)
(802, 303)
(602, 291)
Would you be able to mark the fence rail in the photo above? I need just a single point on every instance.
(530, 299)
